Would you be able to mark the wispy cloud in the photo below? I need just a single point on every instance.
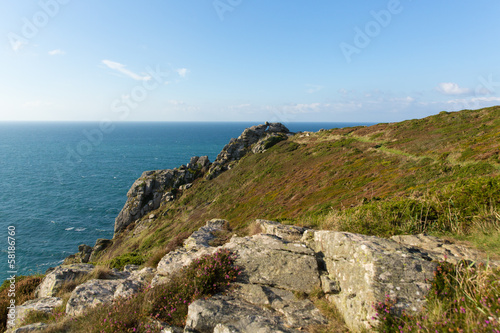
(121, 69)
(57, 52)
(176, 102)
(35, 104)
(183, 72)
(450, 88)
(312, 88)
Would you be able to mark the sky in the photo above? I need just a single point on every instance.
(246, 60)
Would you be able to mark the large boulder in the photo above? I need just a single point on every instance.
(364, 270)
(97, 291)
(271, 261)
(289, 233)
(53, 281)
(154, 187)
(229, 314)
(443, 250)
(44, 304)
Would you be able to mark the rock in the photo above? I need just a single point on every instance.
(289, 233)
(204, 235)
(228, 314)
(268, 134)
(271, 261)
(369, 268)
(53, 281)
(176, 260)
(186, 187)
(296, 312)
(442, 250)
(154, 187)
(44, 304)
(29, 328)
(97, 291)
(330, 286)
(171, 329)
(90, 294)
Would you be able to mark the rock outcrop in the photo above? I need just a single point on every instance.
(155, 187)
(44, 304)
(55, 279)
(279, 268)
(255, 139)
(98, 291)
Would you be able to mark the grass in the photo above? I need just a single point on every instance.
(463, 298)
(25, 287)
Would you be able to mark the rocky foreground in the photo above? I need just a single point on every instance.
(279, 266)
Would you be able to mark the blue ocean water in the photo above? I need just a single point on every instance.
(63, 184)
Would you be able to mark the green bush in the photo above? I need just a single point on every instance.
(130, 258)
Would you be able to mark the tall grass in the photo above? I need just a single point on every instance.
(463, 298)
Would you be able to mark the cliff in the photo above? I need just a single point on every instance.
(312, 231)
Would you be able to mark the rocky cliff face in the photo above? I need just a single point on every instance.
(156, 187)
(255, 139)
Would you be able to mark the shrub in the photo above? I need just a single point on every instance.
(25, 291)
(206, 276)
(130, 258)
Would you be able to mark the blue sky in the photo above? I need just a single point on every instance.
(242, 60)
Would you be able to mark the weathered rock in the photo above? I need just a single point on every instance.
(176, 260)
(28, 328)
(205, 234)
(369, 268)
(287, 232)
(228, 314)
(44, 304)
(154, 187)
(296, 312)
(271, 261)
(442, 250)
(268, 134)
(96, 291)
(53, 281)
(90, 294)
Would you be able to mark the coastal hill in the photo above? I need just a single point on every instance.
(386, 228)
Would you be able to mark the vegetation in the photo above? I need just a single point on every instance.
(438, 175)
(167, 302)
(463, 298)
(24, 291)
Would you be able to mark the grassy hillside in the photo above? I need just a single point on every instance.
(437, 175)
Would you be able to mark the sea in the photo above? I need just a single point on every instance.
(63, 183)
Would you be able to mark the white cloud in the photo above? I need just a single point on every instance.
(57, 52)
(121, 69)
(313, 88)
(35, 104)
(183, 72)
(450, 88)
(176, 102)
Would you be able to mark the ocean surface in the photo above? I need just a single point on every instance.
(63, 184)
